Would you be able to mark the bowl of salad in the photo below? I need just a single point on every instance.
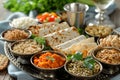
(48, 17)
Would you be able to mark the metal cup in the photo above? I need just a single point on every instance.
(76, 14)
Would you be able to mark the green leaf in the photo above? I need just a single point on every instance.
(40, 40)
(50, 58)
(88, 65)
(88, 2)
(80, 30)
(40, 5)
(69, 57)
(77, 56)
(89, 62)
(32, 36)
(46, 47)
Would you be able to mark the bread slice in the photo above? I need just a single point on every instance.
(80, 47)
(3, 62)
(83, 46)
(70, 42)
(61, 36)
(50, 28)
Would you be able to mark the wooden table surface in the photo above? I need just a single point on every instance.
(115, 17)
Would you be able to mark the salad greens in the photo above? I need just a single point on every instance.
(26, 6)
(88, 61)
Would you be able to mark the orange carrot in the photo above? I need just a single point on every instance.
(49, 60)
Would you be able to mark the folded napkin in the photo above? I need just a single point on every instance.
(14, 71)
(20, 75)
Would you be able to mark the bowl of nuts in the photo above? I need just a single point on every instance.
(98, 31)
(25, 48)
(107, 55)
(15, 34)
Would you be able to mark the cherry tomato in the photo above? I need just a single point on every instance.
(48, 17)
(46, 14)
(42, 18)
(51, 19)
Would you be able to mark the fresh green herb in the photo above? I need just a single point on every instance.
(69, 57)
(88, 61)
(40, 40)
(50, 58)
(80, 30)
(32, 36)
(77, 56)
(46, 47)
(26, 6)
(88, 2)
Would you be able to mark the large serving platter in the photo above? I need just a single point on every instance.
(59, 75)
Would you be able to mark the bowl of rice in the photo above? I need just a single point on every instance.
(23, 22)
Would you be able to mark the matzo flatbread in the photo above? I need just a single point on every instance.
(83, 47)
(70, 42)
(3, 62)
(53, 28)
(88, 40)
(61, 36)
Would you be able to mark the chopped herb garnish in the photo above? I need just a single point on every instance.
(32, 36)
(77, 56)
(69, 57)
(40, 40)
(80, 30)
(88, 62)
(50, 58)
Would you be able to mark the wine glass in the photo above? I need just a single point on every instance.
(101, 18)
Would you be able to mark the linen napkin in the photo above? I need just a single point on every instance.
(14, 71)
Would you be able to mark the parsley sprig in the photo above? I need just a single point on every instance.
(50, 58)
(42, 41)
(88, 62)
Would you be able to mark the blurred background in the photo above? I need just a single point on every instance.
(5, 13)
